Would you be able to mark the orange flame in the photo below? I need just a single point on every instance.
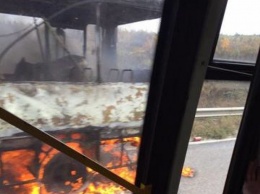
(19, 164)
(35, 190)
(188, 172)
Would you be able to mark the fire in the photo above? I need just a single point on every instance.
(35, 190)
(49, 153)
(118, 155)
(104, 189)
(135, 141)
(126, 173)
(108, 187)
(188, 172)
(18, 160)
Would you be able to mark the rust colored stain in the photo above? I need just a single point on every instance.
(2, 102)
(78, 120)
(130, 98)
(107, 113)
(75, 89)
(39, 122)
(138, 115)
(57, 121)
(139, 92)
(10, 98)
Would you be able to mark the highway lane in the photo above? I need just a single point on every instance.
(211, 163)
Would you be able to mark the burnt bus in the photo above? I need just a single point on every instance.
(60, 73)
(101, 121)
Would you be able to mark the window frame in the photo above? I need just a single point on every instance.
(230, 70)
(184, 81)
(179, 70)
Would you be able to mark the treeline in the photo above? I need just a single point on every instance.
(136, 49)
(238, 47)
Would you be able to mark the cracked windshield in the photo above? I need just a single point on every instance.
(80, 71)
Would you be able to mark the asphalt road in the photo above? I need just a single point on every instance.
(211, 163)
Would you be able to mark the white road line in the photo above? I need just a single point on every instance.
(212, 141)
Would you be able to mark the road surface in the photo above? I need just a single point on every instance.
(211, 162)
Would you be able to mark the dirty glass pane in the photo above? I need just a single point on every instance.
(217, 94)
(213, 137)
(239, 38)
(80, 71)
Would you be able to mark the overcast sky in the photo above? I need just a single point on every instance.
(242, 17)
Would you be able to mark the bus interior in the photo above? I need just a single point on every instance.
(88, 106)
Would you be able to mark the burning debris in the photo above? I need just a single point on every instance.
(188, 172)
(36, 168)
(40, 169)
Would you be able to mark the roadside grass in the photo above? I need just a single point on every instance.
(216, 127)
(220, 94)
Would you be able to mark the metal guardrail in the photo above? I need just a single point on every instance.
(219, 112)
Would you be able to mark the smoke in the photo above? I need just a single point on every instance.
(135, 49)
(10, 30)
(29, 48)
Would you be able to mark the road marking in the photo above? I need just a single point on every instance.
(212, 141)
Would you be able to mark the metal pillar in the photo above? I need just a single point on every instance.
(39, 38)
(98, 42)
(108, 49)
(47, 44)
(60, 42)
(106, 39)
(85, 42)
(47, 58)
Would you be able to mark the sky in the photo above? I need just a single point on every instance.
(241, 17)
